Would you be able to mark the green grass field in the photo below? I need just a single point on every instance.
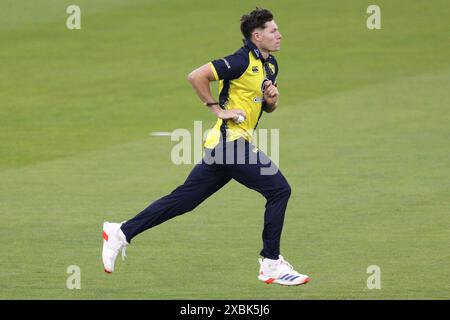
(364, 124)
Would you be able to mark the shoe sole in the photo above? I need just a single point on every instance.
(281, 282)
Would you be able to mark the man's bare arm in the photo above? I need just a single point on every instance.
(200, 79)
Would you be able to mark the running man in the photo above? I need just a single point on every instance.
(247, 88)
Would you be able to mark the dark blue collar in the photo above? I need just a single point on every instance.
(254, 49)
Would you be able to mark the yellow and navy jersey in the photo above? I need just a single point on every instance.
(242, 75)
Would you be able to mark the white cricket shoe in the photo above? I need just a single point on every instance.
(281, 272)
(113, 241)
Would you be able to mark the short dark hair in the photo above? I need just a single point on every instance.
(255, 19)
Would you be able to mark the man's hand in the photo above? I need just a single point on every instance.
(230, 114)
(270, 93)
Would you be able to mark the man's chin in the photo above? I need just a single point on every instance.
(277, 48)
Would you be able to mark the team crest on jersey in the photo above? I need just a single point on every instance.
(271, 67)
(255, 69)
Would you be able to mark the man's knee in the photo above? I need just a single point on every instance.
(184, 208)
(282, 190)
(285, 189)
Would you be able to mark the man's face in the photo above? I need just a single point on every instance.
(268, 38)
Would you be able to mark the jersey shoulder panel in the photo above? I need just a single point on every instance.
(232, 66)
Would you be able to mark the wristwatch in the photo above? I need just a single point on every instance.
(209, 104)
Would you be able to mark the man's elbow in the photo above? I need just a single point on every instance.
(192, 76)
(202, 74)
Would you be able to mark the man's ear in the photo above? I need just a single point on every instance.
(257, 35)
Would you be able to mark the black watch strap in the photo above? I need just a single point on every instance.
(209, 104)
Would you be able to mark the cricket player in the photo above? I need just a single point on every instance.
(247, 88)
